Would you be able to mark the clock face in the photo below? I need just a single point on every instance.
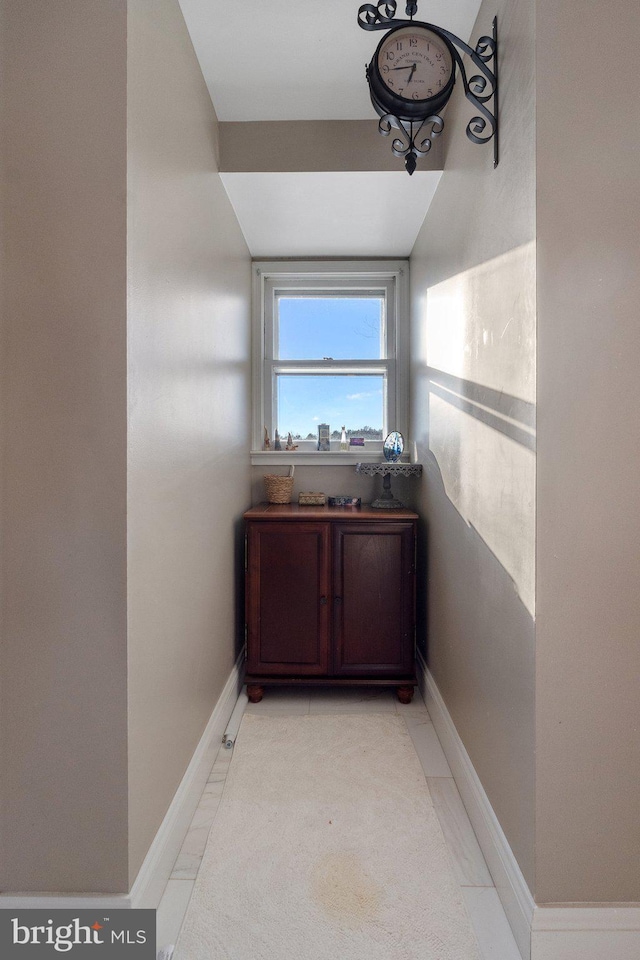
(414, 63)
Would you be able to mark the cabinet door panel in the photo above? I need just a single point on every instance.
(287, 591)
(373, 599)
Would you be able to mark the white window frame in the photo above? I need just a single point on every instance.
(272, 277)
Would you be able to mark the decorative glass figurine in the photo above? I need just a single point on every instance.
(393, 447)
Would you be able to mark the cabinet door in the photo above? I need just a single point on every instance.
(287, 598)
(373, 603)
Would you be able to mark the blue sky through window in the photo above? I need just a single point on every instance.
(306, 401)
(340, 328)
(344, 328)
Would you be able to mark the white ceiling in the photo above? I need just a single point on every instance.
(305, 60)
(330, 214)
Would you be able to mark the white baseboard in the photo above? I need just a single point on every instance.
(586, 933)
(155, 871)
(510, 884)
(158, 863)
(570, 932)
(64, 901)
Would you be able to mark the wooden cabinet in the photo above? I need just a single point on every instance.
(330, 597)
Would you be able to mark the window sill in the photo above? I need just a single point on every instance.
(315, 458)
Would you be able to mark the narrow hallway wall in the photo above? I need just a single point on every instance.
(125, 391)
(473, 417)
(63, 650)
(587, 650)
(188, 414)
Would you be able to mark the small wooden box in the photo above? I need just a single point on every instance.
(312, 499)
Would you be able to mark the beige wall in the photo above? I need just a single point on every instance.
(473, 417)
(333, 481)
(125, 385)
(555, 738)
(188, 365)
(64, 446)
(588, 656)
(308, 145)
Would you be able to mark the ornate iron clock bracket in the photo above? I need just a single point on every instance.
(416, 135)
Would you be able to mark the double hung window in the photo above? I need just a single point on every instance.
(329, 350)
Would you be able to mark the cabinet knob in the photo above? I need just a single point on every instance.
(323, 601)
(337, 599)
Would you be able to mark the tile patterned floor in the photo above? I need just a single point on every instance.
(487, 916)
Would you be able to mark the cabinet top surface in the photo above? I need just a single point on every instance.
(293, 511)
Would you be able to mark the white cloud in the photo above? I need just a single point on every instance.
(363, 396)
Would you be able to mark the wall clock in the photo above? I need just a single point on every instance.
(412, 75)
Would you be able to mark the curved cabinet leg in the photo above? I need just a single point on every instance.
(405, 694)
(254, 692)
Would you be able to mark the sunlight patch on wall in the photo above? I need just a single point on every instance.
(482, 324)
(480, 353)
(491, 481)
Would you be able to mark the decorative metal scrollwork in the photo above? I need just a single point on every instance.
(416, 138)
(479, 89)
(380, 16)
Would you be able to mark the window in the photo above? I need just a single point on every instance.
(329, 348)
